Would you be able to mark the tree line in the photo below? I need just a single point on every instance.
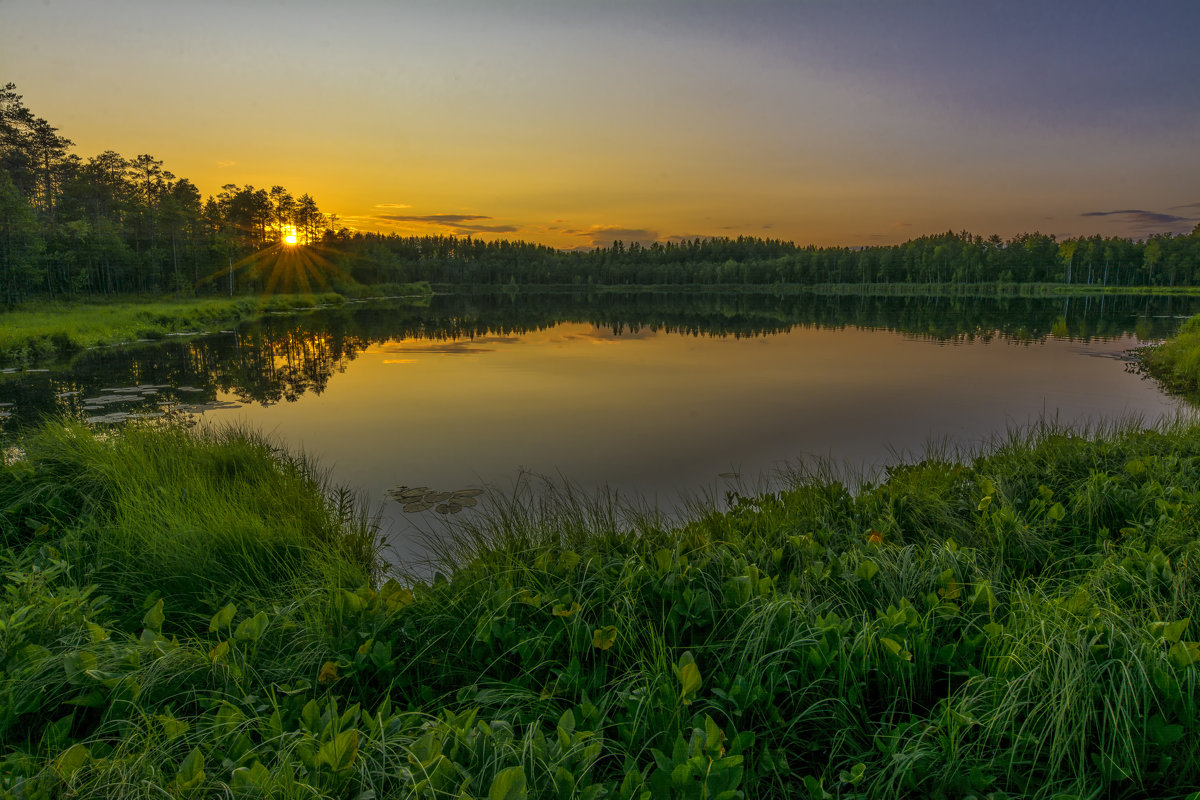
(114, 225)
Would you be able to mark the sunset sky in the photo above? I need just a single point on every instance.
(574, 123)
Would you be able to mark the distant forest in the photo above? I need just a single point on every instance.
(111, 225)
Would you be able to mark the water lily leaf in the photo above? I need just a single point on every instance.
(437, 497)
(412, 508)
(461, 493)
(465, 502)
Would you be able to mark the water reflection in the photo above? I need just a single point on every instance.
(283, 358)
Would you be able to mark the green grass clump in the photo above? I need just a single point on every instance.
(1176, 362)
(1016, 624)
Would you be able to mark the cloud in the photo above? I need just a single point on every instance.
(456, 224)
(605, 235)
(392, 205)
(226, 163)
(444, 219)
(1186, 205)
(1142, 221)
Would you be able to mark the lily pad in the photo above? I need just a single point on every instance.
(460, 493)
(412, 508)
(437, 497)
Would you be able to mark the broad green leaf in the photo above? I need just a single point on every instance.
(252, 629)
(1057, 512)
(173, 728)
(1183, 654)
(689, 678)
(1173, 631)
(154, 617)
(339, 752)
(219, 652)
(568, 560)
(191, 771)
(895, 648)
(867, 569)
(509, 784)
(71, 760)
(223, 618)
(251, 779)
(96, 633)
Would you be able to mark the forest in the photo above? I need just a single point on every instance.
(112, 225)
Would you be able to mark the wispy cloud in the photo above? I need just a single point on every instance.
(1142, 221)
(456, 224)
(1185, 205)
(445, 219)
(605, 235)
(392, 205)
(226, 163)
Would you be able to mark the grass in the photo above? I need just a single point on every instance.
(1016, 623)
(39, 331)
(1175, 363)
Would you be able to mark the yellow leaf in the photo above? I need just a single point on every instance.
(562, 610)
(329, 673)
(219, 652)
(604, 638)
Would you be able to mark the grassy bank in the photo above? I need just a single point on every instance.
(1176, 362)
(39, 331)
(194, 614)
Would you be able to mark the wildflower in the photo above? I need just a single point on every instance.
(874, 537)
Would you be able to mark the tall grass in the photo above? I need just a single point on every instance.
(1176, 362)
(1013, 623)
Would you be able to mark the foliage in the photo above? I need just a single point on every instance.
(1019, 624)
(115, 225)
(1176, 361)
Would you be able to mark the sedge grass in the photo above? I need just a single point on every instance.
(1018, 622)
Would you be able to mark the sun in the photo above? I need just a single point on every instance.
(289, 234)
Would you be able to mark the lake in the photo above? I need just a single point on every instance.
(653, 395)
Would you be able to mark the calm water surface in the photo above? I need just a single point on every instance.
(612, 392)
